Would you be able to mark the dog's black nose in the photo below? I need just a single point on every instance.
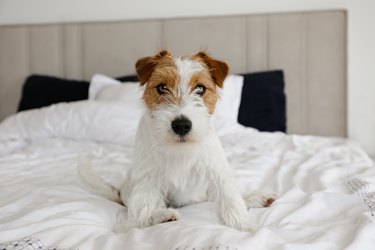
(181, 126)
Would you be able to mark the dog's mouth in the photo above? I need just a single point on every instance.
(186, 139)
(182, 139)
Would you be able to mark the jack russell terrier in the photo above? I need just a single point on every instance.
(178, 158)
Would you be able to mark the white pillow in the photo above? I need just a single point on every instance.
(230, 98)
(104, 88)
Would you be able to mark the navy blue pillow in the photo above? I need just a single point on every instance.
(40, 91)
(263, 102)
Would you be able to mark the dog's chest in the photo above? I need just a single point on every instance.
(185, 180)
(192, 189)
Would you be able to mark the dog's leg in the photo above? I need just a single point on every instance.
(259, 199)
(146, 207)
(164, 215)
(233, 210)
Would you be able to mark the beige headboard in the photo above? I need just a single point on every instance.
(310, 47)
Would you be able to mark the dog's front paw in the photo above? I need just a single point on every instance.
(140, 222)
(157, 217)
(260, 199)
(165, 215)
(125, 227)
(239, 221)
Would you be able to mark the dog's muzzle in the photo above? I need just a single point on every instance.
(181, 126)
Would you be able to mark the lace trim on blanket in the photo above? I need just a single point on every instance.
(26, 243)
(355, 186)
(211, 247)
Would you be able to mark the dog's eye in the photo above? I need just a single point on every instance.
(200, 89)
(162, 88)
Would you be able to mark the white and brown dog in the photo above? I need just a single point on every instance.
(178, 158)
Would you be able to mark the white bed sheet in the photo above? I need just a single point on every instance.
(325, 186)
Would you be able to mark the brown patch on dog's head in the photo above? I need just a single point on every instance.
(218, 69)
(215, 73)
(156, 70)
(204, 79)
(146, 65)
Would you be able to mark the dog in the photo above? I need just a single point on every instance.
(178, 158)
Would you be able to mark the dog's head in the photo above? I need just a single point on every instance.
(181, 93)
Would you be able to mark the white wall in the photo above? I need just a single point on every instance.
(361, 67)
(42, 11)
(361, 40)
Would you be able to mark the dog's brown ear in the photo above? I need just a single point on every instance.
(218, 69)
(146, 65)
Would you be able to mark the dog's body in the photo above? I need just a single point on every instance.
(178, 158)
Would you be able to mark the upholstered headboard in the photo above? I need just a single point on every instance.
(310, 47)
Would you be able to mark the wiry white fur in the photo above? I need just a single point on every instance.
(94, 182)
(186, 68)
(170, 173)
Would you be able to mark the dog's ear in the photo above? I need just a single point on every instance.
(218, 69)
(146, 65)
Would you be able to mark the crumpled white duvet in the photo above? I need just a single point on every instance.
(325, 186)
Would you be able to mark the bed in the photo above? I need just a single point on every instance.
(325, 183)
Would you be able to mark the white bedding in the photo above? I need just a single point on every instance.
(325, 186)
